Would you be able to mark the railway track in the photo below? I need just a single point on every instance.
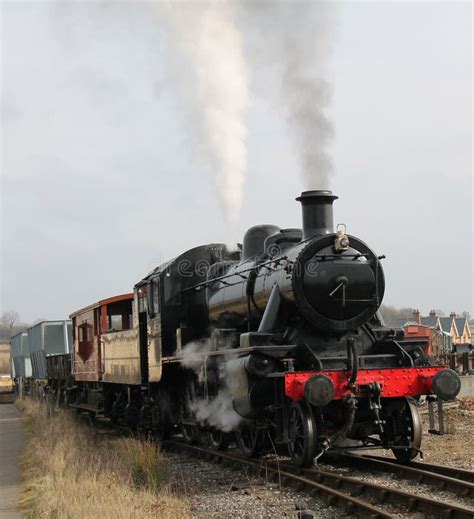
(459, 481)
(353, 495)
(452, 472)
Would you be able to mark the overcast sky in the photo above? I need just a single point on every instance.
(103, 174)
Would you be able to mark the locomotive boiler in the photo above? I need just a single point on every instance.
(334, 281)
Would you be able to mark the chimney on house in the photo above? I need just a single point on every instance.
(452, 315)
(416, 316)
(432, 313)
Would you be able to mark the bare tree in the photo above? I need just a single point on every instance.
(10, 319)
(10, 324)
(391, 314)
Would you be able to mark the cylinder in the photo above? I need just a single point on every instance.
(317, 213)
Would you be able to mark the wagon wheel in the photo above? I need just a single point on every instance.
(302, 434)
(70, 397)
(161, 428)
(409, 430)
(188, 426)
(248, 439)
(190, 433)
(162, 433)
(218, 440)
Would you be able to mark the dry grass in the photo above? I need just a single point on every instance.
(72, 471)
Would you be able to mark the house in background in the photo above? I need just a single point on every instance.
(444, 334)
(458, 328)
(464, 334)
(437, 342)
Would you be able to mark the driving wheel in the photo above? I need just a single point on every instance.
(248, 439)
(302, 434)
(218, 440)
(408, 431)
(190, 433)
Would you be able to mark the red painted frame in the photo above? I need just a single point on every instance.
(394, 382)
(89, 367)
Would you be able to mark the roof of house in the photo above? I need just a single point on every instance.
(430, 321)
(400, 323)
(446, 323)
(460, 322)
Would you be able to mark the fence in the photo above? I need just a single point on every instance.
(460, 362)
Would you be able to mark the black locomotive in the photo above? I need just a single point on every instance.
(279, 345)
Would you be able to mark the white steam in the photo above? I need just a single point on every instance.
(193, 354)
(217, 411)
(208, 37)
(293, 38)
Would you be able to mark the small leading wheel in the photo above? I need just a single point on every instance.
(248, 439)
(190, 433)
(218, 440)
(302, 434)
(409, 432)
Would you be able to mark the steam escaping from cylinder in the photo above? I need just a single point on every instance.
(194, 353)
(217, 411)
(210, 41)
(294, 38)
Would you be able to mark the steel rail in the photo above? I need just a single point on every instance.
(344, 489)
(418, 472)
(452, 472)
(350, 503)
(380, 493)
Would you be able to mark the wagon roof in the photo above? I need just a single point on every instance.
(102, 302)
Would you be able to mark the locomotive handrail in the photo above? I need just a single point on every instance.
(339, 256)
(266, 264)
(206, 283)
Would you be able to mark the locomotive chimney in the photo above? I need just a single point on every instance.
(317, 213)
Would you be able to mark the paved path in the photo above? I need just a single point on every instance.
(11, 444)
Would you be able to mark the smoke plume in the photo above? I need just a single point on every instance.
(209, 39)
(294, 40)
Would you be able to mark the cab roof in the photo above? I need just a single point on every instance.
(103, 302)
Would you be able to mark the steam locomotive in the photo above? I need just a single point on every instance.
(280, 345)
